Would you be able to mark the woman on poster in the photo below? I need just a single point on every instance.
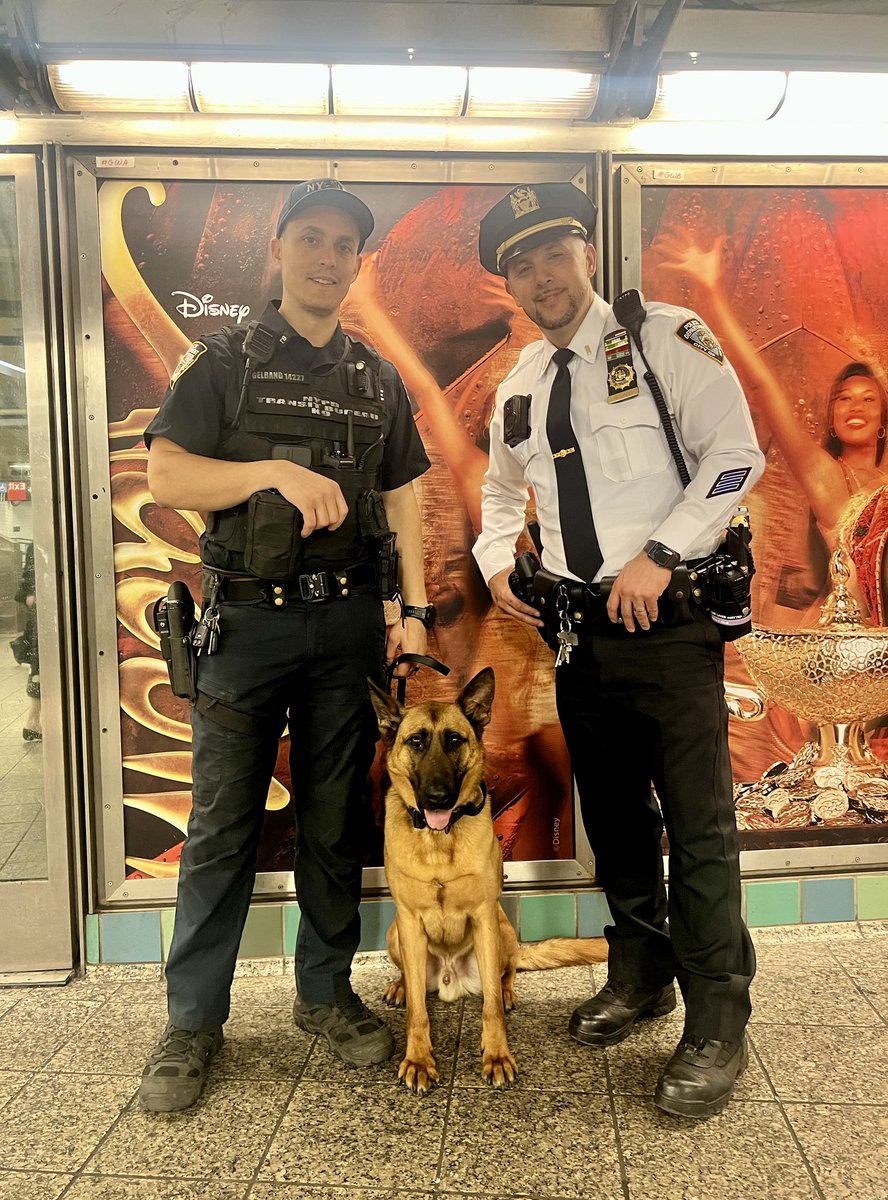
(849, 462)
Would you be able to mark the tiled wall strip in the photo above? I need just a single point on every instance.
(272, 929)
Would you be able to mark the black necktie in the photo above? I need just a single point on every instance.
(581, 549)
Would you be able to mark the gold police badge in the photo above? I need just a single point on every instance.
(621, 377)
(523, 200)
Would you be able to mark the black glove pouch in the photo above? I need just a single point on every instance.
(275, 547)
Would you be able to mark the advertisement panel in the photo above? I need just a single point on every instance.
(792, 280)
(181, 258)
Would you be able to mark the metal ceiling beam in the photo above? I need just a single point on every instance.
(629, 86)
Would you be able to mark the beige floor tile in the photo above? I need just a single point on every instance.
(566, 987)
(263, 1044)
(299, 1191)
(635, 1064)
(56, 1121)
(222, 1137)
(867, 964)
(746, 1151)
(816, 1064)
(131, 1187)
(30, 1033)
(362, 1136)
(847, 1146)
(29, 1185)
(536, 1143)
(11, 1083)
(548, 1058)
(112, 1042)
(805, 985)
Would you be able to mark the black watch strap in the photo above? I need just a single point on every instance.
(424, 613)
(662, 555)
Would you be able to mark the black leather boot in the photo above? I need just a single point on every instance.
(608, 1017)
(699, 1078)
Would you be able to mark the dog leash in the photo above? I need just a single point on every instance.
(420, 660)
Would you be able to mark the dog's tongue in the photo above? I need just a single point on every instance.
(436, 819)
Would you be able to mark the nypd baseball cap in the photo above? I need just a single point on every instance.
(531, 215)
(326, 193)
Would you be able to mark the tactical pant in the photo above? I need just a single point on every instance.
(306, 664)
(646, 708)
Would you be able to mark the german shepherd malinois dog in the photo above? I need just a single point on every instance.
(445, 871)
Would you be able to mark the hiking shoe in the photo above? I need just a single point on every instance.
(356, 1035)
(176, 1070)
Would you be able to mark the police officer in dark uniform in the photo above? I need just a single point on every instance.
(639, 676)
(299, 444)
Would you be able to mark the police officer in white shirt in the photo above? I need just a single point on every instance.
(639, 680)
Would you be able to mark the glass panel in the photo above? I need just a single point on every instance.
(22, 814)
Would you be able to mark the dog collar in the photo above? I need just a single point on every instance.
(467, 810)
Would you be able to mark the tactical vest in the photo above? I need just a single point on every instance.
(332, 423)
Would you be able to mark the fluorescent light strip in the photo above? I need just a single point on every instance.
(264, 89)
(718, 96)
(835, 96)
(530, 92)
(115, 86)
(402, 91)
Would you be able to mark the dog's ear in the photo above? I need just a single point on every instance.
(476, 699)
(389, 712)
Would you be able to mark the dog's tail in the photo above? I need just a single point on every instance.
(561, 952)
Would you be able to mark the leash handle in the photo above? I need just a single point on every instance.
(420, 660)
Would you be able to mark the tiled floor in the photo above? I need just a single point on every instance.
(22, 813)
(282, 1120)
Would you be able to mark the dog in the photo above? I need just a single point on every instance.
(444, 868)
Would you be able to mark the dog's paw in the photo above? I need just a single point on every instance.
(396, 994)
(510, 1000)
(500, 1070)
(418, 1077)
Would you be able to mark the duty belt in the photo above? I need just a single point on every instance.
(316, 587)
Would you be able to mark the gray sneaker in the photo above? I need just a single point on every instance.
(356, 1035)
(176, 1071)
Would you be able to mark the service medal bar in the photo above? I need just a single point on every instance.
(622, 383)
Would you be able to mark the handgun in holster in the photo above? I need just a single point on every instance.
(174, 625)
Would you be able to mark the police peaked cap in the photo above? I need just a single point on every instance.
(326, 193)
(530, 215)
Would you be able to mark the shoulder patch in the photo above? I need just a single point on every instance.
(695, 333)
(188, 359)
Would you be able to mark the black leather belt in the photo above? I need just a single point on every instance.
(315, 587)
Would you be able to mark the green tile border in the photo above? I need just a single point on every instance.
(263, 935)
(872, 897)
(552, 915)
(777, 903)
(271, 929)
(93, 955)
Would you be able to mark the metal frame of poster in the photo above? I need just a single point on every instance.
(127, 340)
(787, 263)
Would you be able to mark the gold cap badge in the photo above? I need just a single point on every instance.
(523, 201)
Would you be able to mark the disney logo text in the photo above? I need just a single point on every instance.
(203, 306)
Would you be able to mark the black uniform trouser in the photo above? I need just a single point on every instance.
(307, 664)
(649, 707)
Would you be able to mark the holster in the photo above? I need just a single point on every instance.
(174, 625)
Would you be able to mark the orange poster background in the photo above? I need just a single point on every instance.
(180, 259)
(804, 272)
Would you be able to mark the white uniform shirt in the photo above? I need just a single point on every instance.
(633, 482)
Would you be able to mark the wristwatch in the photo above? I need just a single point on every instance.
(662, 555)
(424, 613)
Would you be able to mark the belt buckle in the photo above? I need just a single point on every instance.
(314, 587)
